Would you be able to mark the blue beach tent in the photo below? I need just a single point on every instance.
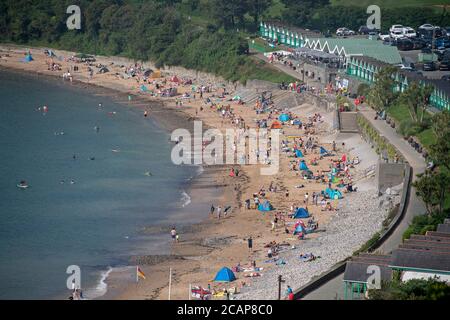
(28, 58)
(298, 153)
(297, 122)
(333, 194)
(266, 206)
(225, 275)
(303, 166)
(301, 213)
(284, 117)
(323, 151)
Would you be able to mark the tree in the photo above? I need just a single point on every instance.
(417, 97)
(415, 289)
(440, 150)
(432, 188)
(382, 94)
(229, 13)
(257, 7)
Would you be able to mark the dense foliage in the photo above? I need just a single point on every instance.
(414, 289)
(322, 15)
(166, 32)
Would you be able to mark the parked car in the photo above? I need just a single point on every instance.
(384, 36)
(396, 27)
(390, 42)
(429, 66)
(367, 30)
(409, 32)
(401, 66)
(397, 34)
(447, 31)
(405, 44)
(344, 32)
(446, 77)
(427, 26)
(442, 42)
(418, 44)
(444, 65)
(446, 55)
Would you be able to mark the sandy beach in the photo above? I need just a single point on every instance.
(206, 247)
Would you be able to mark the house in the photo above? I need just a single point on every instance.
(419, 257)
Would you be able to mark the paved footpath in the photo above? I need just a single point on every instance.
(334, 288)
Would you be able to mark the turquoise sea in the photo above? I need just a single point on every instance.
(95, 221)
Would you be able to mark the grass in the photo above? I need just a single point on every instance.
(264, 71)
(427, 137)
(400, 113)
(390, 3)
(260, 45)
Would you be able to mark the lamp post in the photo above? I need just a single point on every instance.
(280, 281)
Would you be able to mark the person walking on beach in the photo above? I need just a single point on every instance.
(173, 233)
(219, 212)
(250, 243)
(288, 290)
(306, 198)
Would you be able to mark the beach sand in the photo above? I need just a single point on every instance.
(213, 243)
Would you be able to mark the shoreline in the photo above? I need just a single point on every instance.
(212, 244)
(164, 117)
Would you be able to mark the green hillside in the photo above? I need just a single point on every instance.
(390, 3)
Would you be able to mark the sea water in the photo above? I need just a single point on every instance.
(97, 176)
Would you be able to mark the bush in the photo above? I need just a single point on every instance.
(423, 223)
(363, 89)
